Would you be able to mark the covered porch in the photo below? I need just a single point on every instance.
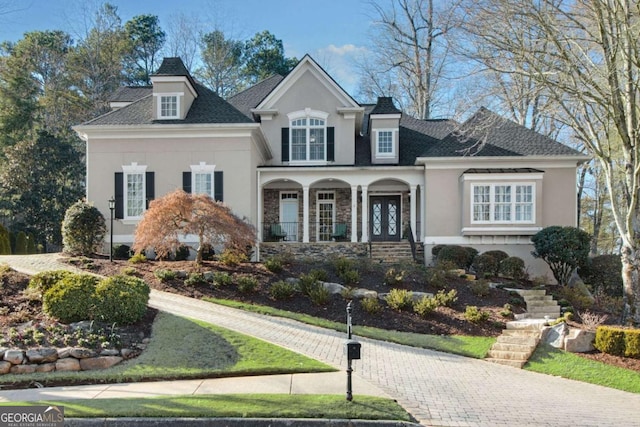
(322, 205)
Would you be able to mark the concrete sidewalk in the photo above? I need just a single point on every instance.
(320, 383)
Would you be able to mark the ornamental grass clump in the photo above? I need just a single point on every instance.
(399, 299)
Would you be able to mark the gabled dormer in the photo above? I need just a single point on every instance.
(384, 124)
(173, 90)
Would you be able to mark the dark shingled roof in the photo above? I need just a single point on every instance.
(131, 93)
(385, 106)
(206, 108)
(253, 96)
(172, 67)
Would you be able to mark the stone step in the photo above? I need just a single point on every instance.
(537, 316)
(507, 362)
(538, 298)
(530, 340)
(530, 324)
(522, 333)
(544, 309)
(514, 348)
(525, 293)
(538, 303)
(509, 355)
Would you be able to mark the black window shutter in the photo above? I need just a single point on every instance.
(186, 182)
(218, 186)
(285, 144)
(331, 150)
(150, 187)
(118, 194)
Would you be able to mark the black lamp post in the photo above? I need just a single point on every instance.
(112, 206)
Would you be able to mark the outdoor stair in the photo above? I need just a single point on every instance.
(391, 252)
(539, 304)
(518, 342)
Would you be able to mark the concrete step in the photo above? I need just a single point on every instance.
(530, 340)
(509, 355)
(507, 362)
(528, 293)
(530, 324)
(545, 309)
(513, 348)
(537, 303)
(521, 333)
(537, 316)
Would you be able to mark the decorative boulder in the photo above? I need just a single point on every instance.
(15, 357)
(102, 362)
(554, 335)
(579, 341)
(364, 293)
(333, 288)
(5, 367)
(68, 364)
(46, 367)
(23, 369)
(81, 353)
(42, 355)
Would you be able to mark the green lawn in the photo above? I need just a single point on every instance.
(244, 406)
(551, 361)
(476, 347)
(185, 348)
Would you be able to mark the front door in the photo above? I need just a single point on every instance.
(385, 218)
(289, 215)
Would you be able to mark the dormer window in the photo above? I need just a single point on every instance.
(385, 144)
(169, 106)
(308, 136)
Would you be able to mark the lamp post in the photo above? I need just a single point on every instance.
(112, 206)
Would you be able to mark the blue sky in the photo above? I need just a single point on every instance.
(334, 32)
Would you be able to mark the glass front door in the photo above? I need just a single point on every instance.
(385, 218)
(289, 215)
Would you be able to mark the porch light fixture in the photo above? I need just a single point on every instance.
(112, 206)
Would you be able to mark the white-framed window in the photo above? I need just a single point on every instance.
(326, 212)
(503, 203)
(385, 146)
(134, 190)
(202, 176)
(308, 136)
(169, 105)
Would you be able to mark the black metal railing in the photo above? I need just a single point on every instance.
(292, 232)
(412, 243)
(280, 231)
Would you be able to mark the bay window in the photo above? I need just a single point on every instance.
(502, 203)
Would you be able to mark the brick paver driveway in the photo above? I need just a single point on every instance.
(437, 388)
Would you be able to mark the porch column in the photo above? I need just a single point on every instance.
(354, 213)
(423, 214)
(305, 214)
(259, 219)
(412, 210)
(365, 214)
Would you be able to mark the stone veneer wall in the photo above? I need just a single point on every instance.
(317, 251)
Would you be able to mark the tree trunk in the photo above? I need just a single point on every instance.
(631, 284)
(200, 248)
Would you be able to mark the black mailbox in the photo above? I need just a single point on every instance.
(353, 350)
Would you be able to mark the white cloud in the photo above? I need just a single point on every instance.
(341, 63)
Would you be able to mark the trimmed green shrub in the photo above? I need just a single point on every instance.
(446, 299)
(182, 253)
(632, 343)
(121, 300)
(498, 255)
(122, 252)
(195, 278)
(562, 248)
(232, 258)
(371, 305)
(282, 290)
(342, 265)
(319, 295)
(83, 229)
(436, 250)
(273, 264)
(72, 299)
(319, 274)
(513, 267)
(247, 284)
(610, 340)
(436, 277)
(394, 277)
(485, 265)
(480, 288)
(32, 248)
(5, 241)
(460, 256)
(21, 243)
(474, 315)
(350, 277)
(165, 275)
(47, 279)
(425, 306)
(604, 274)
(222, 278)
(399, 299)
(138, 258)
(306, 282)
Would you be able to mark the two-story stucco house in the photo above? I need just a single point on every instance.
(315, 171)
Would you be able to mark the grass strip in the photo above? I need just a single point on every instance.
(182, 348)
(476, 347)
(552, 361)
(233, 405)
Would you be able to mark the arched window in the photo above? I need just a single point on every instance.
(308, 136)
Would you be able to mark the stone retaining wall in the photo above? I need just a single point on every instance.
(49, 359)
(318, 251)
